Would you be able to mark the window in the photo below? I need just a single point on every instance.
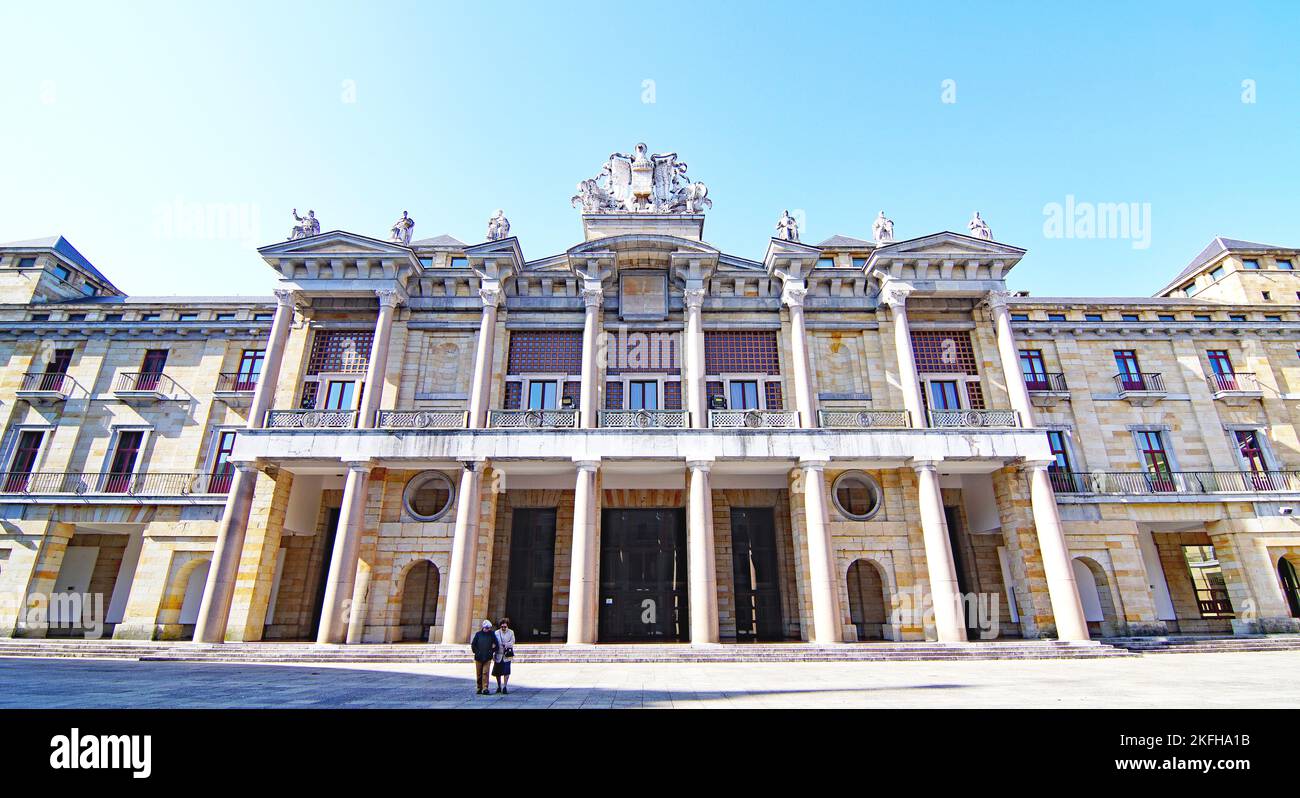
(1272, 318)
(112, 317)
(643, 395)
(1250, 450)
(1216, 273)
(1155, 460)
(340, 394)
(263, 316)
(250, 368)
(1220, 363)
(542, 394)
(426, 263)
(88, 289)
(150, 317)
(223, 471)
(1236, 317)
(944, 395)
(428, 495)
(856, 495)
(121, 466)
(1020, 317)
(460, 263)
(1059, 472)
(187, 317)
(76, 317)
(1266, 295)
(1092, 317)
(1056, 317)
(1188, 288)
(859, 263)
(340, 352)
(744, 395)
(825, 263)
(1207, 579)
(60, 271)
(24, 460)
(151, 369)
(40, 317)
(1250, 263)
(56, 370)
(1285, 265)
(1203, 317)
(224, 317)
(1167, 317)
(1033, 369)
(1130, 317)
(1130, 372)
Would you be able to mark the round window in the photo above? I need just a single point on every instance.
(857, 495)
(428, 495)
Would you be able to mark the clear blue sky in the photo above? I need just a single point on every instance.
(113, 113)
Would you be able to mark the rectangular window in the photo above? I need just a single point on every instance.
(24, 460)
(225, 317)
(76, 317)
(1056, 442)
(1216, 273)
(1056, 317)
(250, 368)
(1167, 317)
(1130, 372)
(150, 317)
(112, 317)
(1130, 317)
(1155, 460)
(121, 466)
(1285, 265)
(1092, 317)
(223, 471)
(26, 263)
(1249, 263)
(542, 395)
(825, 263)
(56, 370)
(339, 395)
(1034, 370)
(1203, 317)
(40, 317)
(263, 316)
(1220, 363)
(151, 370)
(88, 289)
(1265, 295)
(1020, 317)
(744, 394)
(643, 395)
(340, 352)
(187, 317)
(945, 395)
(60, 271)
(460, 263)
(1207, 579)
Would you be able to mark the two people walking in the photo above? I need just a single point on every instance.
(493, 650)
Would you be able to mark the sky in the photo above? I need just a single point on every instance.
(167, 141)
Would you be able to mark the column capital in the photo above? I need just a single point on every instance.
(364, 466)
(593, 293)
(925, 465)
(996, 300)
(284, 297)
(793, 292)
(814, 463)
(693, 298)
(388, 297)
(588, 464)
(473, 465)
(1034, 465)
(895, 293)
(490, 291)
(703, 464)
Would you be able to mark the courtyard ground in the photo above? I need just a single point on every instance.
(1227, 680)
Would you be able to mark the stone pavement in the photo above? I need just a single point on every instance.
(1258, 679)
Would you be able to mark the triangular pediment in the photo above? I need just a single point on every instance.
(950, 245)
(335, 243)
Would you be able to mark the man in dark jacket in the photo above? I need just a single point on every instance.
(484, 646)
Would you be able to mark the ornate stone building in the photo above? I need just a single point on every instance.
(645, 438)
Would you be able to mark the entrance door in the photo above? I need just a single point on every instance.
(331, 532)
(754, 572)
(1290, 585)
(967, 581)
(532, 571)
(643, 576)
(74, 580)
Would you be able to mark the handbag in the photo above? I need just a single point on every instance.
(508, 653)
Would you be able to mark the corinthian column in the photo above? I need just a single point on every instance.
(792, 294)
(214, 611)
(593, 295)
(1009, 354)
(693, 357)
(481, 384)
(389, 299)
(895, 295)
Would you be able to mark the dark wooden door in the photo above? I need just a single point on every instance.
(756, 582)
(643, 576)
(531, 575)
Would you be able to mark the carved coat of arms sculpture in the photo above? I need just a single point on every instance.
(642, 183)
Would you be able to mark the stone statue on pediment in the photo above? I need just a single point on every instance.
(641, 182)
(882, 231)
(498, 226)
(402, 229)
(306, 227)
(980, 228)
(787, 228)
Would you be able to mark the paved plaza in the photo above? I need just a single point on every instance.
(1230, 680)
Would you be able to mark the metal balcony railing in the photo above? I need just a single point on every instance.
(139, 484)
(1148, 483)
(422, 419)
(1214, 603)
(644, 419)
(1046, 383)
(236, 382)
(863, 418)
(1240, 382)
(1138, 382)
(311, 419)
(146, 382)
(968, 419)
(754, 419)
(48, 383)
(532, 419)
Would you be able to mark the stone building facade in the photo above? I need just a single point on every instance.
(643, 438)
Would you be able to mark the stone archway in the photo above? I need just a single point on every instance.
(419, 607)
(868, 599)
(1289, 574)
(1096, 597)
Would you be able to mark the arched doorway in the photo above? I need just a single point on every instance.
(419, 602)
(1290, 585)
(1095, 596)
(868, 600)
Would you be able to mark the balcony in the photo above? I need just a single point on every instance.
(1241, 388)
(146, 386)
(973, 419)
(311, 419)
(1046, 390)
(644, 419)
(753, 419)
(47, 387)
(863, 418)
(532, 419)
(1139, 388)
(422, 419)
(1148, 483)
(235, 388)
(43, 483)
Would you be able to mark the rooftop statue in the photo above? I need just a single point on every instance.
(498, 226)
(787, 229)
(980, 228)
(642, 182)
(882, 231)
(402, 228)
(306, 226)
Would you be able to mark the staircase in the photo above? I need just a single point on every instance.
(310, 653)
(1206, 644)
